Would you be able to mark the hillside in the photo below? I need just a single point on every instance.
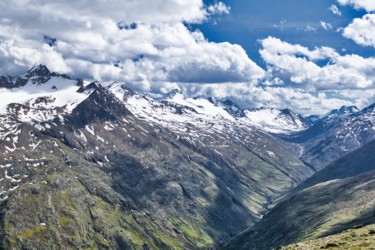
(330, 206)
(357, 238)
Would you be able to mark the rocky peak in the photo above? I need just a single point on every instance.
(170, 94)
(233, 108)
(344, 110)
(39, 70)
(89, 87)
(212, 100)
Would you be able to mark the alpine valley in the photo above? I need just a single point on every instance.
(91, 166)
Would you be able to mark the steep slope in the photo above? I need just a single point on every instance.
(108, 168)
(342, 198)
(357, 162)
(335, 135)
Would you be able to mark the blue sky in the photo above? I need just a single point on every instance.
(251, 20)
(311, 56)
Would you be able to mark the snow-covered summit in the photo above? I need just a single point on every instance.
(39, 95)
(276, 121)
(39, 70)
(344, 110)
(174, 107)
(170, 95)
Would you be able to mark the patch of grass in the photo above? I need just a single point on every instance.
(196, 236)
(31, 233)
(64, 221)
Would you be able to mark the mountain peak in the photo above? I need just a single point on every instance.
(344, 110)
(39, 70)
(348, 109)
(170, 94)
(212, 100)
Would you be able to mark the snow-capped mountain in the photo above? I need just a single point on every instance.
(269, 120)
(276, 121)
(39, 95)
(178, 165)
(336, 134)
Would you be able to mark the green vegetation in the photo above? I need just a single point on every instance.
(352, 239)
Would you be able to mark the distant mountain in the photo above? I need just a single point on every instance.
(355, 163)
(312, 119)
(344, 110)
(269, 120)
(338, 198)
(334, 135)
(277, 121)
(37, 75)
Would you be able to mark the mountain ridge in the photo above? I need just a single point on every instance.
(150, 173)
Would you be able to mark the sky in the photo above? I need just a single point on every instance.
(307, 55)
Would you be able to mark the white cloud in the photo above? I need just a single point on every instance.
(155, 51)
(218, 8)
(335, 10)
(318, 69)
(280, 25)
(309, 28)
(299, 100)
(153, 45)
(326, 26)
(362, 30)
(368, 5)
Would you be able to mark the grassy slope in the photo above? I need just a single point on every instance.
(323, 209)
(352, 239)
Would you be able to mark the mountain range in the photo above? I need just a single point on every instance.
(87, 166)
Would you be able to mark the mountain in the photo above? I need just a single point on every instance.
(276, 121)
(229, 106)
(344, 110)
(334, 135)
(336, 199)
(36, 75)
(355, 163)
(268, 120)
(108, 168)
(312, 119)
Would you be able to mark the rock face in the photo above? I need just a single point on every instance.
(335, 199)
(84, 166)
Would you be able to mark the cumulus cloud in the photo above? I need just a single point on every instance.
(141, 42)
(318, 69)
(335, 10)
(362, 30)
(147, 45)
(368, 5)
(218, 8)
